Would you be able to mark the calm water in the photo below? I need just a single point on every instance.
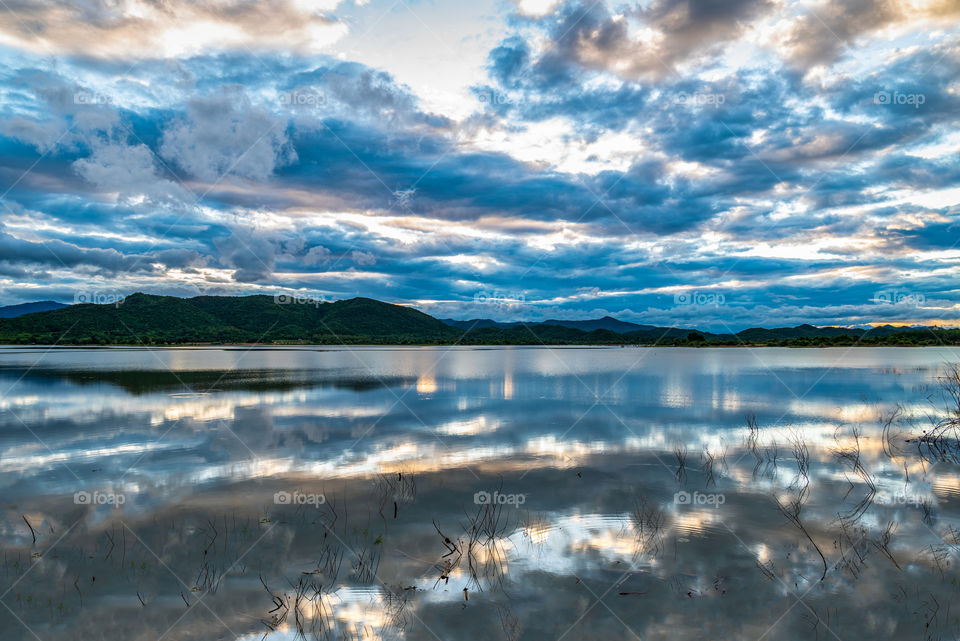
(455, 493)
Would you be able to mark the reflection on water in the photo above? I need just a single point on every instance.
(467, 493)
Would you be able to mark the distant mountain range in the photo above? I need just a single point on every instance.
(12, 311)
(752, 334)
(148, 319)
(607, 322)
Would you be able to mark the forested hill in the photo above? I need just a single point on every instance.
(147, 319)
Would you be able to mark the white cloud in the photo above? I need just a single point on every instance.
(129, 171)
(226, 135)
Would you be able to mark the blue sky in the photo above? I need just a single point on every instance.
(723, 164)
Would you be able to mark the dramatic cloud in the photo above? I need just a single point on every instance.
(797, 161)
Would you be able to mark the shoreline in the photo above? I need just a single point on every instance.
(469, 345)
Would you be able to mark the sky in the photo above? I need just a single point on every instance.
(718, 163)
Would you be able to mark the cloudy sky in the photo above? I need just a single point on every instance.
(724, 163)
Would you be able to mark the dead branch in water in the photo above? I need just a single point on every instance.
(792, 508)
(24, 516)
(942, 441)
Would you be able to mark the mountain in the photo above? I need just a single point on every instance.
(759, 334)
(652, 333)
(607, 322)
(143, 319)
(884, 330)
(538, 335)
(476, 323)
(12, 311)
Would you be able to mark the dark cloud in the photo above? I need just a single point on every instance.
(589, 35)
(57, 254)
(826, 30)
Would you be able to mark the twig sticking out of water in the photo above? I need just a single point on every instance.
(648, 522)
(886, 432)
(801, 453)
(942, 442)
(368, 562)
(484, 531)
(851, 456)
(768, 457)
(707, 468)
(928, 512)
(207, 578)
(396, 608)
(24, 516)
(330, 558)
(792, 508)
(309, 612)
(481, 545)
(109, 537)
(883, 544)
(681, 455)
(852, 544)
(771, 453)
(398, 488)
(509, 624)
(753, 441)
(451, 559)
(768, 569)
(940, 555)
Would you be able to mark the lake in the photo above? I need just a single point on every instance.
(476, 493)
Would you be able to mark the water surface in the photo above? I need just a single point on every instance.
(468, 493)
